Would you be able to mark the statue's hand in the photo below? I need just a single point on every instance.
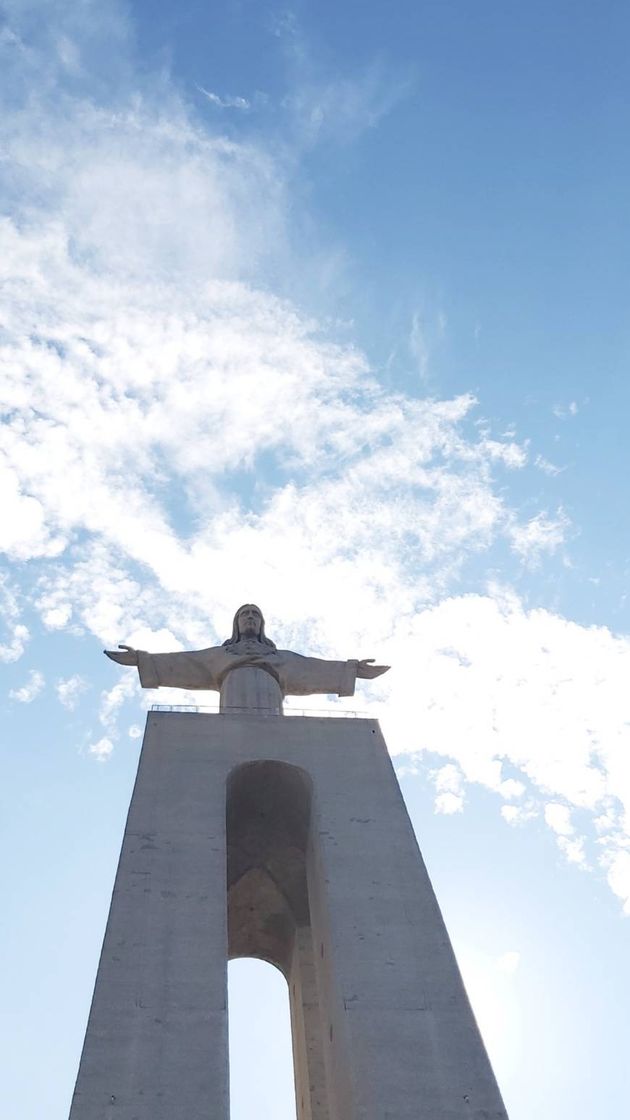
(367, 669)
(129, 657)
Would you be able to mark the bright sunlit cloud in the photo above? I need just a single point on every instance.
(294, 311)
(179, 438)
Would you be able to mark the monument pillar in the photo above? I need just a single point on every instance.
(285, 838)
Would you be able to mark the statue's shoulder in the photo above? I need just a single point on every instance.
(211, 652)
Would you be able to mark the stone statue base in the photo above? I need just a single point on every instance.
(288, 840)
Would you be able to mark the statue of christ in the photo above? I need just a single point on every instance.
(247, 648)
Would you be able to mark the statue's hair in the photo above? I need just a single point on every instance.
(262, 637)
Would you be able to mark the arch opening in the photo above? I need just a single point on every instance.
(261, 1060)
(268, 818)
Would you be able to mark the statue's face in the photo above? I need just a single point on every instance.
(249, 621)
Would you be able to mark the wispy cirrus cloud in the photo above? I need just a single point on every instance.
(325, 106)
(178, 438)
(225, 102)
(542, 535)
(339, 110)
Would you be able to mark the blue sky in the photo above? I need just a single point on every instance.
(325, 306)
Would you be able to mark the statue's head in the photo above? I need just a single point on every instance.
(249, 623)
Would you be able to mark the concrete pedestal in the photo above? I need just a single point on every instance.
(284, 838)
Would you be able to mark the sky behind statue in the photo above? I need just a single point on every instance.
(325, 305)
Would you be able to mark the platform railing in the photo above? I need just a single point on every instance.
(213, 709)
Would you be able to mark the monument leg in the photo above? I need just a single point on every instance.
(398, 1019)
(156, 1043)
(311, 1091)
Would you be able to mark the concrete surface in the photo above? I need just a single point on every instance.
(286, 839)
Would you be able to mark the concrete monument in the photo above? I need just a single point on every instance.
(254, 834)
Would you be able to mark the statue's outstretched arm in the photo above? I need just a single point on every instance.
(307, 676)
(367, 669)
(129, 657)
(179, 669)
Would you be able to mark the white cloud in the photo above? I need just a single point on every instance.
(574, 850)
(329, 106)
(518, 814)
(541, 534)
(225, 102)
(57, 618)
(509, 962)
(511, 788)
(112, 700)
(449, 785)
(179, 440)
(70, 689)
(29, 691)
(515, 695)
(558, 817)
(618, 874)
(157, 369)
(448, 779)
(427, 331)
(448, 803)
(15, 634)
(608, 821)
(547, 467)
(14, 648)
(562, 411)
(339, 110)
(418, 346)
(102, 749)
(23, 533)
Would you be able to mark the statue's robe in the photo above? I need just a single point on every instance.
(208, 668)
